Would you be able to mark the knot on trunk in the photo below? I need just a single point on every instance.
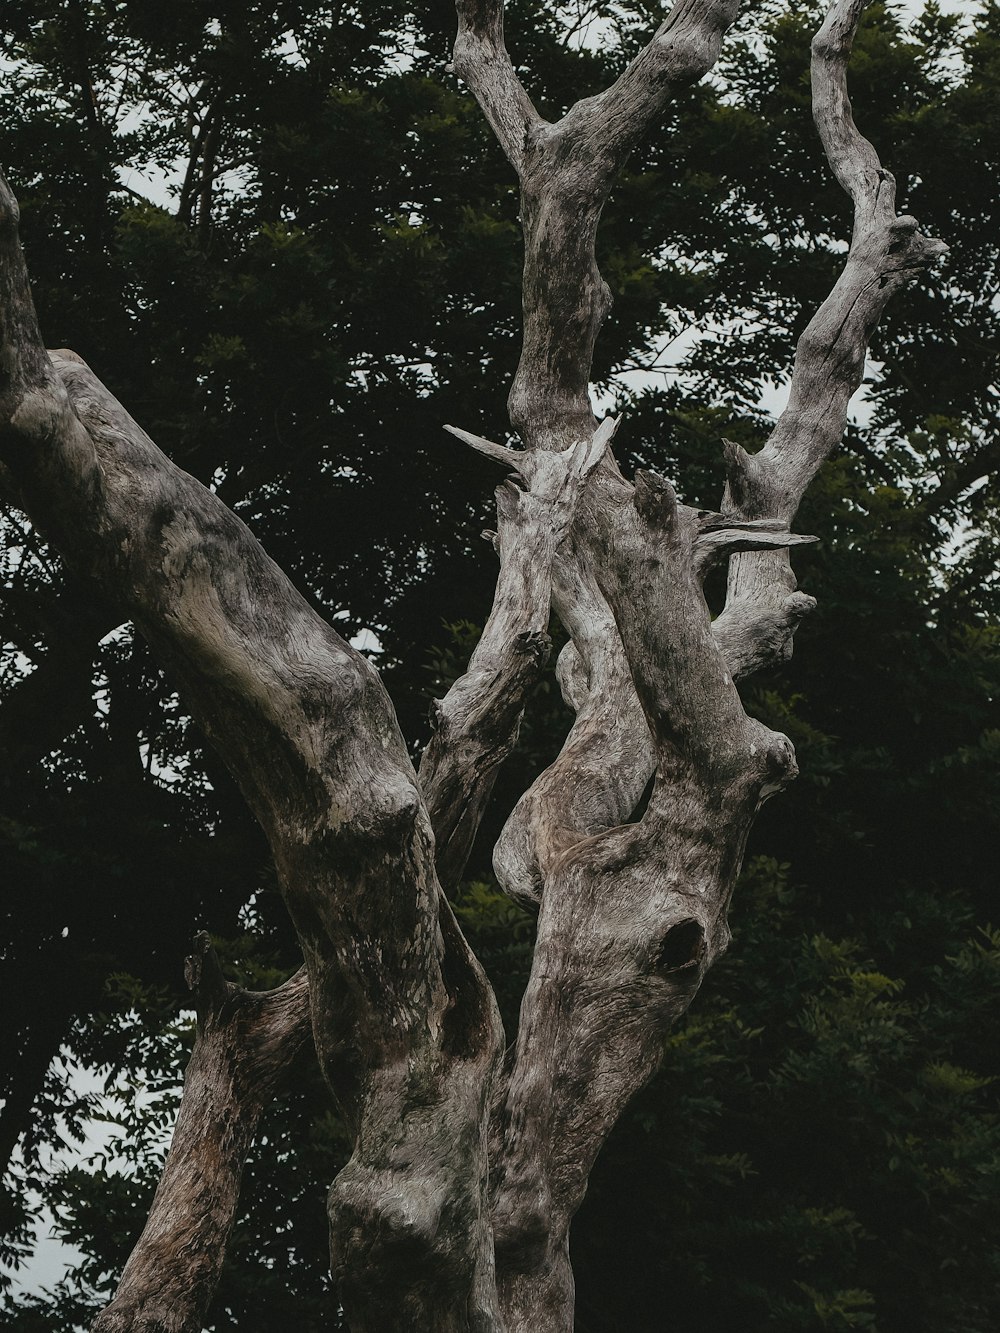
(775, 754)
(682, 947)
(522, 1220)
(391, 1229)
(535, 644)
(655, 500)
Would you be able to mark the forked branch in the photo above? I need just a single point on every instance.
(567, 170)
(632, 916)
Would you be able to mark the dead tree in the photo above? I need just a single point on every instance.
(468, 1166)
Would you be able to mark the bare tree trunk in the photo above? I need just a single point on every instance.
(454, 1211)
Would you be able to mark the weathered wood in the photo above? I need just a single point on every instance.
(246, 1047)
(405, 1023)
(631, 917)
(477, 722)
(763, 607)
(607, 759)
(480, 58)
(566, 171)
(632, 913)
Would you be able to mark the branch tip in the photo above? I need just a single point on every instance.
(497, 452)
(203, 974)
(654, 498)
(716, 541)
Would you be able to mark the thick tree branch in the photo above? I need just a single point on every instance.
(631, 915)
(405, 1023)
(852, 158)
(567, 173)
(46, 453)
(246, 1047)
(481, 59)
(608, 757)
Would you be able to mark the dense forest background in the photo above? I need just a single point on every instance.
(283, 236)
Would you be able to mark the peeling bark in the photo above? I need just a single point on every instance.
(454, 1211)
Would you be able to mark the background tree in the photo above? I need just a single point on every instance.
(949, 723)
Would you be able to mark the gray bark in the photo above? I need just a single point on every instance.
(454, 1211)
(405, 1024)
(247, 1044)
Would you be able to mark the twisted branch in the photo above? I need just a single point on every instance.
(477, 722)
(762, 605)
